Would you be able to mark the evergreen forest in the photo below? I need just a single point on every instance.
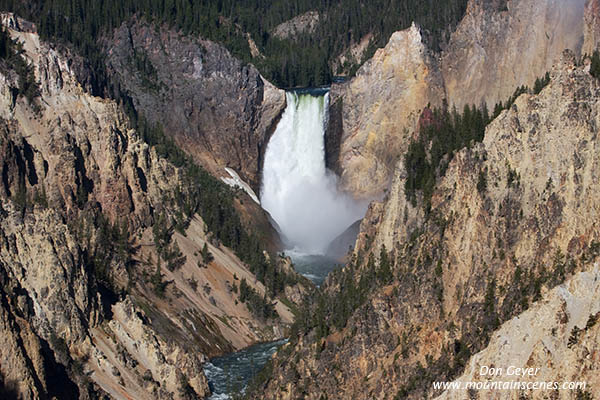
(302, 61)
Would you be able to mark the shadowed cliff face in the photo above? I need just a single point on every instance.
(219, 110)
(495, 50)
(485, 254)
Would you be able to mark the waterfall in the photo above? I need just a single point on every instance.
(297, 189)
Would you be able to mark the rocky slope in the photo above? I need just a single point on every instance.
(303, 23)
(439, 290)
(558, 335)
(219, 110)
(88, 308)
(351, 57)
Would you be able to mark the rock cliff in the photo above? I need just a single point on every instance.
(301, 24)
(380, 108)
(439, 290)
(498, 46)
(219, 110)
(591, 27)
(87, 208)
(558, 337)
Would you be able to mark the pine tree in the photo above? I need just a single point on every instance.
(207, 256)
(385, 272)
(157, 282)
(595, 65)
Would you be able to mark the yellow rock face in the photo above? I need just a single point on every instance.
(381, 107)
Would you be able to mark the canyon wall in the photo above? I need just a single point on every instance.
(88, 307)
(380, 108)
(221, 111)
(497, 47)
(558, 337)
(486, 254)
(591, 27)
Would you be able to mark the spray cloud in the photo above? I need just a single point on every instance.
(297, 189)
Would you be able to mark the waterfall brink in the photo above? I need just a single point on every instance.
(297, 189)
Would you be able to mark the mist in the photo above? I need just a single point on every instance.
(297, 189)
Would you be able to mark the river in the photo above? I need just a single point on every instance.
(301, 194)
(229, 375)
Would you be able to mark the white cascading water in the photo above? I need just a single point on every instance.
(297, 189)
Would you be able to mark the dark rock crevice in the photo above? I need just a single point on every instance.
(262, 149)
(333, 136)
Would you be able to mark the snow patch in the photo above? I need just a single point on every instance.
(236, 182)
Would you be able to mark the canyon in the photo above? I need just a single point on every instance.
(126, 262)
